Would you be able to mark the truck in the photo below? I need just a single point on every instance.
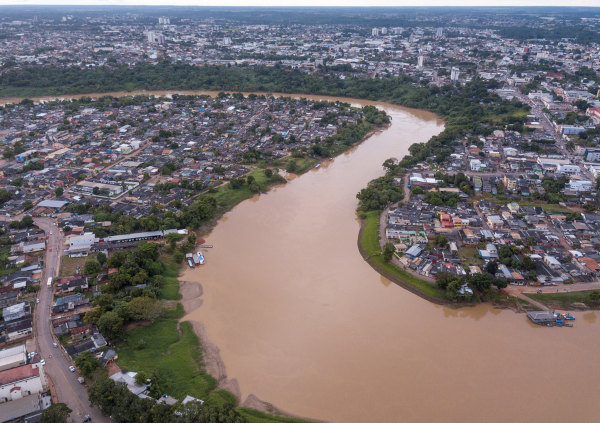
(49, 282)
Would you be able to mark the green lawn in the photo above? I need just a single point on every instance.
(228, 198)
(255, 416)
(370, 235)
(369, 241)
(565, 298)
(172, 350)
(470, 256)
(68, 265)
(170, 289)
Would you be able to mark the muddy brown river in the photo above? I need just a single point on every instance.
(303, 322)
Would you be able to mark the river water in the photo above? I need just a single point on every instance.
(303, 322)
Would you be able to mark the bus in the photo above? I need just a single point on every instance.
(49, 281)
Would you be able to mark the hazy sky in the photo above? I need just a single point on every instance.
(595, 3)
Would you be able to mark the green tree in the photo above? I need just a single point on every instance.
(91, 268)
(87, 363)
(388, 251)
(292, 166)
(491, 267)
(110, 324)
(101, 257)
(144, 308)
(56, 413)
(59, 191)
(268, 173)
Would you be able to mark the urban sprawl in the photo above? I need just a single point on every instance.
(90, 187)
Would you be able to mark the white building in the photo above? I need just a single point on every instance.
(375, 32)
(476, 165)
(580, 186)
(155, 37)
(454, 74)
(420, 61)
(22, 381)
(13, 357)
(568, 169)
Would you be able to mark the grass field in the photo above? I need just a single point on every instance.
(255, 416)
(369, 242)
(172, 351)
(228, 198)
(68, 265)
(470, 256)
(565, 298)
(170, 289)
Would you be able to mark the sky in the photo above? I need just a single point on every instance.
(280, 3)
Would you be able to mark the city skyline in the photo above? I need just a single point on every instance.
(312, 3)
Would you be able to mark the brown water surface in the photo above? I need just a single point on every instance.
(303, 322)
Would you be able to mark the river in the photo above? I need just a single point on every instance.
(303, 322)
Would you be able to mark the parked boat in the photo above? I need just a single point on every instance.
(318, 165)
(189, 257)
(200, 258)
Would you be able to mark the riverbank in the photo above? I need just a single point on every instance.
(368, 245)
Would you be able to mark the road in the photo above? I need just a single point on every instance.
(68, 389)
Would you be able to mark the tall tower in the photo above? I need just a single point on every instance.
(420, 61)
(454, 74)
(375, 32)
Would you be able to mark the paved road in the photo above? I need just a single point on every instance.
(65, 382)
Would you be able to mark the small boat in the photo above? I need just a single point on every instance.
(200, 258)
(318, 165)
(569, 316)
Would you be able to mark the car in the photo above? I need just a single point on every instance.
(37, 300)
(43, 362)
(86, 419)
(72, 368)
(55, 345)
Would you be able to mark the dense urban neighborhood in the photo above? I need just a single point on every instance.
(105, 192)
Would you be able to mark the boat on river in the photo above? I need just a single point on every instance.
(199, 258)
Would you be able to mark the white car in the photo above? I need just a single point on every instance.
(71, 368)
(43, 362)
(55, 345)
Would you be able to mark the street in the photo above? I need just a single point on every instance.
(68, 389)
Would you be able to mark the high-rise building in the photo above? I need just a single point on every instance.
(439, 32)
(164, 21)
(383, 31)
(226, 41)
(454, 73)
(420, 62)
(155, 37)
(375, 32)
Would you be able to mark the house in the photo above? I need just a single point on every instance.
(21, 381)
(509, 183)
(490, 252)
(128, 378)
(16, 311)
(13, 357)
(476, 165)
(71, 283)
(495, 221)
(551, 262)
(414, 251)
